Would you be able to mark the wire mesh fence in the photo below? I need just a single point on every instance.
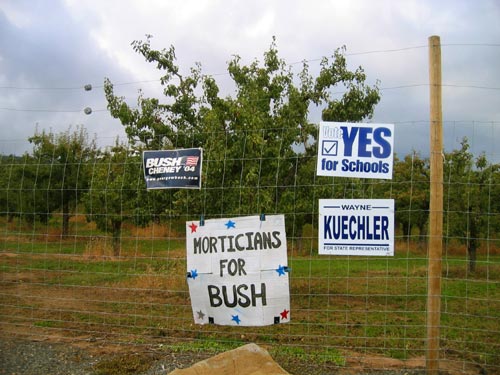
(88, 253)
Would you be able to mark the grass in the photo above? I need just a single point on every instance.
(368, 304)
(290, 353)
(319, 356)
(213, 347)
(133, 363)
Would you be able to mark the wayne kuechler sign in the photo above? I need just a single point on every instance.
(168, 169)
(356, 227)
(237, 271)
(355, 150)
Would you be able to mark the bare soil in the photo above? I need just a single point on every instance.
(88, 356)
(27, 348)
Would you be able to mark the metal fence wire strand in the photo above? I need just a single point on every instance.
(131, 289)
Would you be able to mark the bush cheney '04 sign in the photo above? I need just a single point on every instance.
(356, 227)
(169, 169)
(355, 150)
(237, 271)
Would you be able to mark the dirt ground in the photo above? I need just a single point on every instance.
(35, 357)
(60, 356)
(26, 349)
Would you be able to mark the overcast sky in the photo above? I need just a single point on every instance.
(50, 49)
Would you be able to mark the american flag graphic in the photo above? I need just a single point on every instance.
(192, 160)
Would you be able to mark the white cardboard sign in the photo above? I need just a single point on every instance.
(356, 227)
(237, 271)
(355, 150)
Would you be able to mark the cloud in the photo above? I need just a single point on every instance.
(68, 43)
(46, 61)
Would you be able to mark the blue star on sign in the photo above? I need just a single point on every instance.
(281, 270)
(194, 274)
(230, 224)
(235, 318)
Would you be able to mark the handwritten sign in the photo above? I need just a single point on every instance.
(356, 227)
(237, 271)
(355, 150)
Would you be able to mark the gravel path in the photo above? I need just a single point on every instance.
(31, 357)
(24, 357)
(21, 356)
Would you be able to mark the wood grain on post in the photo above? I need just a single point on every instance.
(435, 209)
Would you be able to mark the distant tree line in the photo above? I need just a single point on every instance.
(259, 156)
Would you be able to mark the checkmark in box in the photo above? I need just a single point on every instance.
(329, 148)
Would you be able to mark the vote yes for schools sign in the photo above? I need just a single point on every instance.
(169, 169)
(356, 227)
(237, 271)
(355, 150)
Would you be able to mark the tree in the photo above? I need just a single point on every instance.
(255, 142)
(410, 189)
(25, 186)
(9, 187)
(116, 192)
(482, 222)
(471, 187)
(64, 158)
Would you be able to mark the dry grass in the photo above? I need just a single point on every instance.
(143, 292)
(98, 248)
(151, 231)
(150, 279)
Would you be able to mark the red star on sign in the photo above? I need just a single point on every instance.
(193, 227)
(284, 314)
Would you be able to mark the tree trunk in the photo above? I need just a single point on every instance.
(65, 219)
(406, 230)
(117, 230)
(472, 242)
(471, 249)
(422, 230)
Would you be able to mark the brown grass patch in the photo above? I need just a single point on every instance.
(52, 234)
(79, 218)
(98, 248)
(152, 280)
(152, 231)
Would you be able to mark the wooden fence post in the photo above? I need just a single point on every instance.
(436, 208)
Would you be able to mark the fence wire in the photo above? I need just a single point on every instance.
(87, 253)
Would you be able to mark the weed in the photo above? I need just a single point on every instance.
(45, 324)
(374, 303)
(124, 364)
(323, 356)
(98, 248)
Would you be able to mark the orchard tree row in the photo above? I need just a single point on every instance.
(259, 155)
